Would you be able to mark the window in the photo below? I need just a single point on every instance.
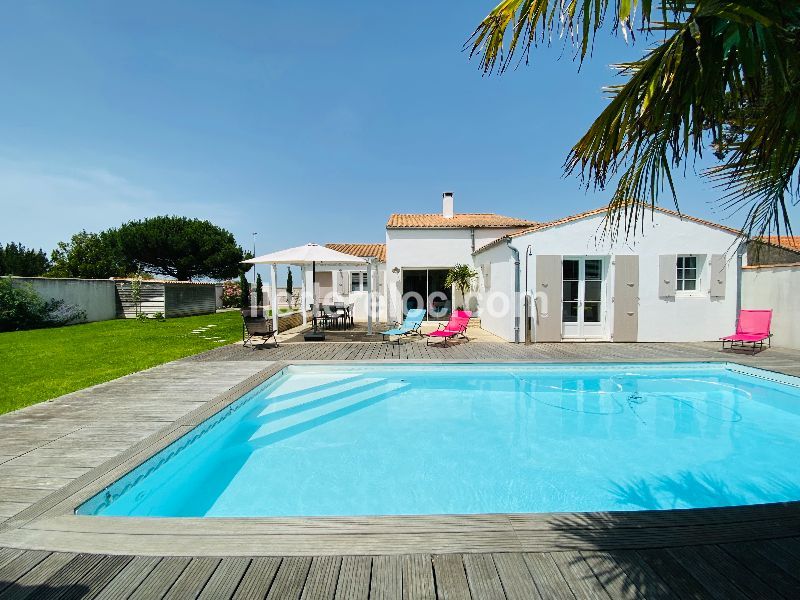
(358, 281)
(687, 274)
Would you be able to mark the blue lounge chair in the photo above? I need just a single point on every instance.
(412, 324)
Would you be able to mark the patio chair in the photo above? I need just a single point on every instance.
(410, 325)
(752, 327)
(457, 325)
(257, 327)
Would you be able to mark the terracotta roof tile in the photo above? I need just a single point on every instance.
(600, 211)
(792, 242)
(364, 250)
(459, 221)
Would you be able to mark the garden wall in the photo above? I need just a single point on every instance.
(776, 287)
(170, 298)
(95, 296)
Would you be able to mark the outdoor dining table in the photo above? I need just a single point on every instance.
(326, 313)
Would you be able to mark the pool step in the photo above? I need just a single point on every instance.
(316, 396)
(297, 422)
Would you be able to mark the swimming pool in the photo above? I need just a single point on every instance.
(322, 440)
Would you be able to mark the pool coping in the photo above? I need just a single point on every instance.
(52, 525)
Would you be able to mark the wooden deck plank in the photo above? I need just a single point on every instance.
(681, 582)
(641, 575)
(7, 555)
(66, 581)
(418, 583)
(193, 578)
(579, 576)
(322, 578)
(225, 580)
(387, 578)
(515, 577)
(258, 578)
(354, 578)
(547, 577)
(451, 578)
(89, 586)
(131, 576)
(776, 554)
(27, 585)
(19, 565)
(160, 579)
(290, 579)
(712, 580)
(750, 556)
(611, 575)
(731, 569)
(482, 577)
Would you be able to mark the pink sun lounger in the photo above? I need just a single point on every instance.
(752, 327)
(457, 325)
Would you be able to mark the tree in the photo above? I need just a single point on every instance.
(724, 75)
(244, 288)
(182, 248)
(289, 284)
(259, 291)
(91, 256)
(16, 259)
(461, 276)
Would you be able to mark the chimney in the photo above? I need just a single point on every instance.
(447, 205)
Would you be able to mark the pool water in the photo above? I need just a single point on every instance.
(414, 439)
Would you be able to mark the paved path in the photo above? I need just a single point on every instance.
(45, 447)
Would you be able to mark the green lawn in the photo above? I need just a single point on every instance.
(44, 363)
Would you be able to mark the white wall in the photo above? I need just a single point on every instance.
(430, 248)
(495, 269)
(776, 288)
(678, 319)
(98, 297)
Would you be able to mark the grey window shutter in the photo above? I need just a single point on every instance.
(548, 301)
(667, 271)
(626, 298)
(718, 268)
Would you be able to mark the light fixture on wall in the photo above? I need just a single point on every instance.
(396, 270)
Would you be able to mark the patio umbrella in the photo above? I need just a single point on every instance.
(310, 254)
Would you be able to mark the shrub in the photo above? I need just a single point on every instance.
(22, 308)
(231, 294)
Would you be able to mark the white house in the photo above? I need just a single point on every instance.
(678, 279)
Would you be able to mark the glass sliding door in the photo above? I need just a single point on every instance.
(583, 310)
(425, 288)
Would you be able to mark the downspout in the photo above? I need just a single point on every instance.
(515, 252)
(740, 251)
(472, 235)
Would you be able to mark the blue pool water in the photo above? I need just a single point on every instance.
(377, 440)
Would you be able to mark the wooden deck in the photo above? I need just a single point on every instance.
(767, 569)
(49, 449)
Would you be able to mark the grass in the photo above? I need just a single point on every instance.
(45, 363)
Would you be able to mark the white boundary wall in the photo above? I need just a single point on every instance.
(95, 296)
(776, 287)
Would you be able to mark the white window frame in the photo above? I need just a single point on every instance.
(362, 287)
(697, 292)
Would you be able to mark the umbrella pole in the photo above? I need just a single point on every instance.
(314, 293)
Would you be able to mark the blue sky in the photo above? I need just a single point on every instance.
(303, 121)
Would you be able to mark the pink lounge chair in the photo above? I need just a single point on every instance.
(457, 325)
(752, 327)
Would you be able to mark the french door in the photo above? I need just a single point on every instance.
(583, 310)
